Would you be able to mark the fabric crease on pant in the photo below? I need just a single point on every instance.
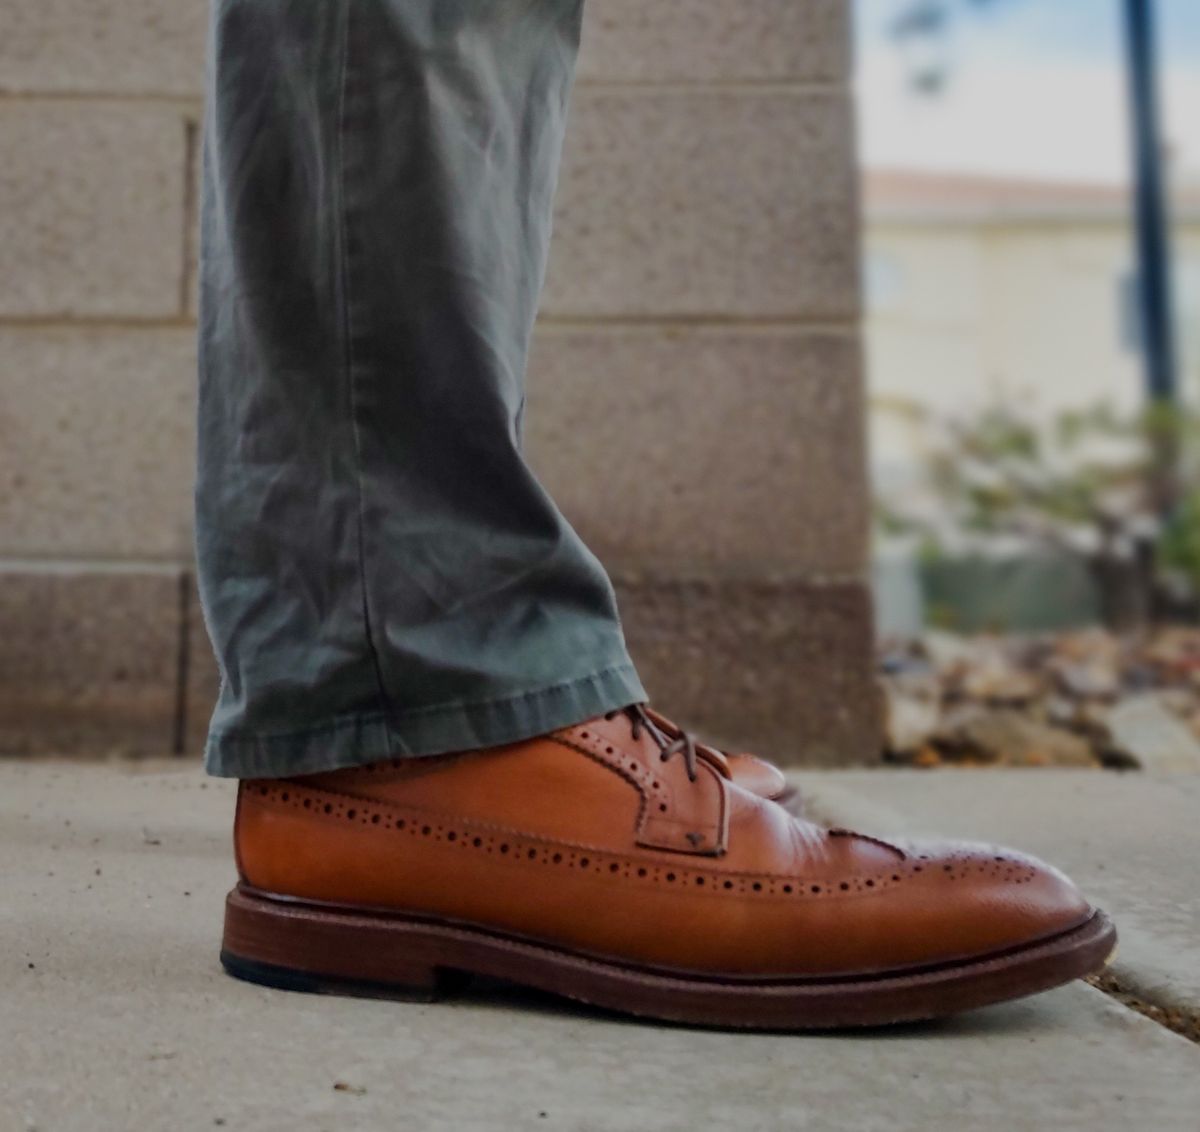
(381, 573)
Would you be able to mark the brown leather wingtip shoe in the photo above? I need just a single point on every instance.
(616, 866)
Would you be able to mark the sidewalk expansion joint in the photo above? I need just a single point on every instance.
(1179, 1020)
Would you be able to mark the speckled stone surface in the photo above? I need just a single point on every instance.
(101, 466)
(706, 202)
(714, 40)
(686, 447)
(91, 46)
(88, 660)
(92, 210)
(780, 667)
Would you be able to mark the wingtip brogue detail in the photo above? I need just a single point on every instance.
(624, 866)
(837, 831)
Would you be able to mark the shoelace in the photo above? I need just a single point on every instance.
(667, 747)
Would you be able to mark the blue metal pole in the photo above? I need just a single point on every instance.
(1152, 223)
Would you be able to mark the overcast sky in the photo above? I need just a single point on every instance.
(1036, 88)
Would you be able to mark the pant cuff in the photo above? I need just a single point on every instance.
(360, 739)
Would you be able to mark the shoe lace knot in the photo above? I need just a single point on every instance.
(683, 744)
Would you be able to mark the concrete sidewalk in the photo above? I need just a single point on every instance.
(115, 1015)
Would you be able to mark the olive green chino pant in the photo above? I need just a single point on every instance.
(380, 572)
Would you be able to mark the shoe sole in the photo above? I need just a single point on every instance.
(289, 944)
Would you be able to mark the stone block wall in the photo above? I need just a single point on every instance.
(695, 391)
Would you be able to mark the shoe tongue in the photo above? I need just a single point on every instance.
(717, 759)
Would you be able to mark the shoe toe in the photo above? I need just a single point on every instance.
(983, 898)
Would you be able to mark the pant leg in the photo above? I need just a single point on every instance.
(380, 572)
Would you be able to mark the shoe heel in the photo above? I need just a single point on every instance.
(429, 988)
(296, 947)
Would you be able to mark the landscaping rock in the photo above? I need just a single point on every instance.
(1132, 701)
(1152, 736)
(1012, 738)
(911, 720)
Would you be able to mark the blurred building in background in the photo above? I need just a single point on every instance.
(1017, 451)
(983, 288)
(695, 403)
